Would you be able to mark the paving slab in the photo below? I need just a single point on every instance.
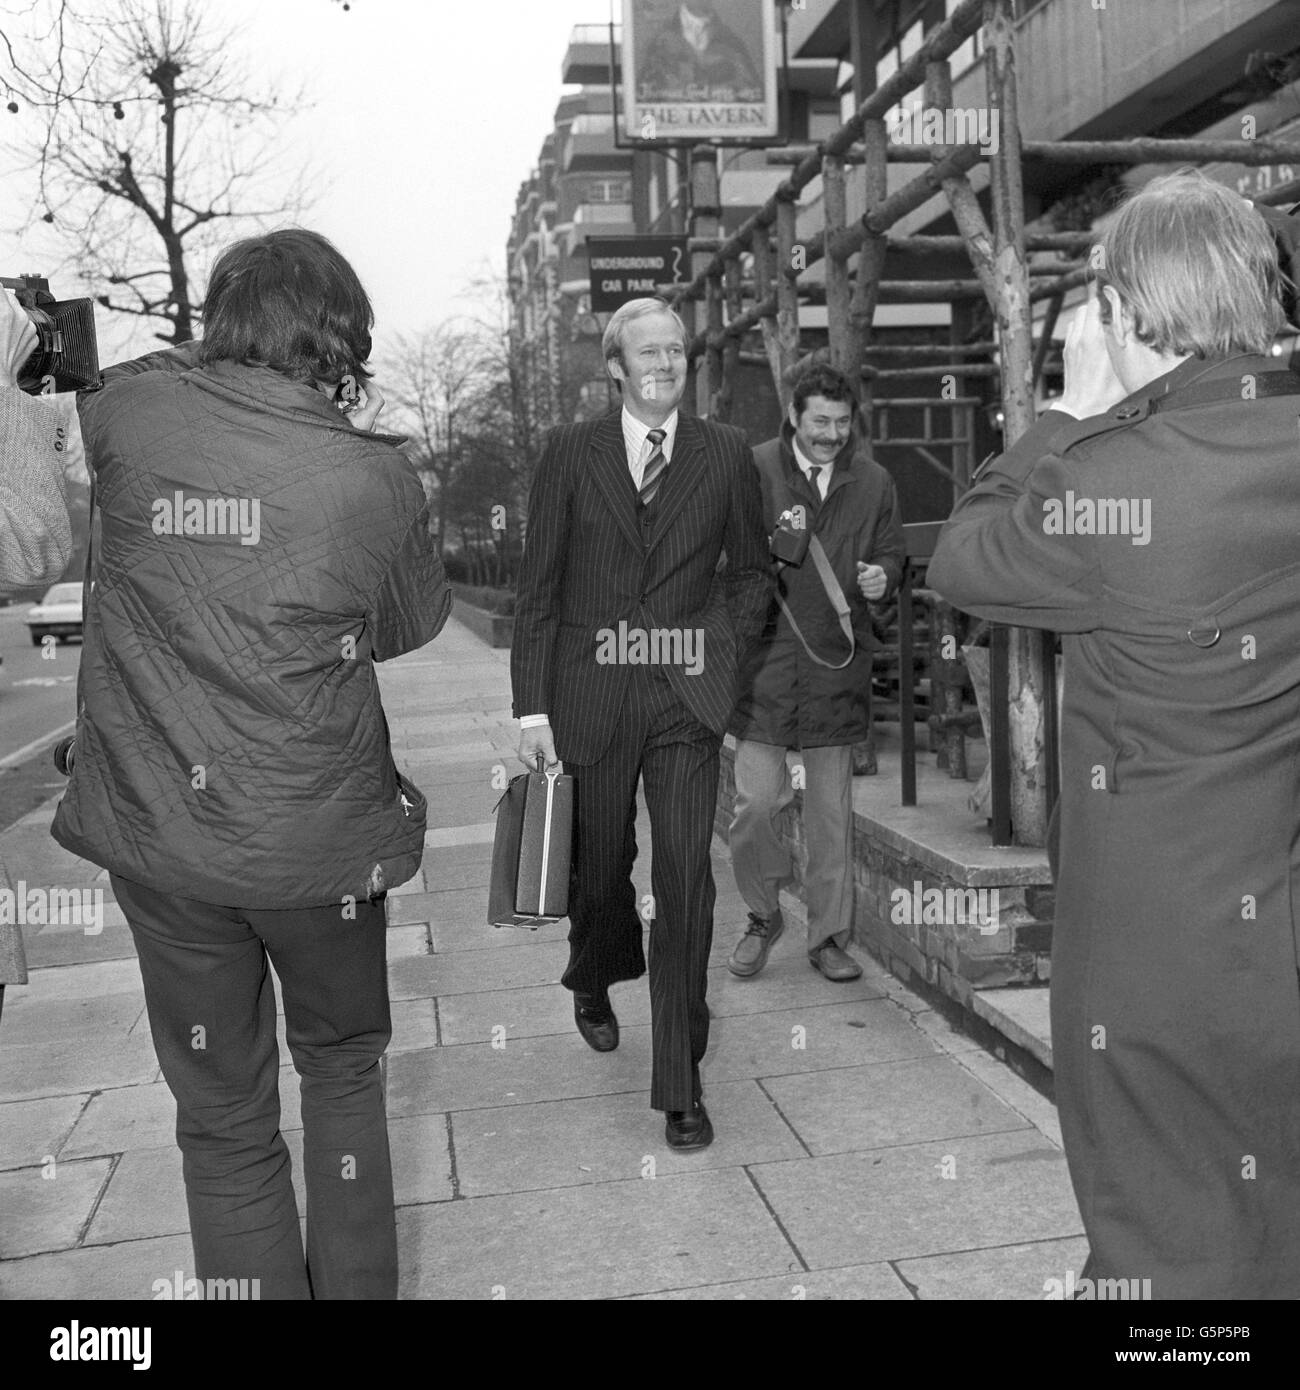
(407, 941)
(1007, 1272)
(144, 1117)
(873, 1107)
(811, 1039)
(479, 1076)
(603, 1241)
(415, 1025)
(414, 884)
(421, 1153)
(468, 930)
(145, 1197)
(125, 1271)
(126, 1117)
(479, 834)
(521, 1148)
(47, 1208)
(31, 1130)
(1016, 1092)
(453, 803)
(858, 1283)
(896, 1204)
(62, 1066)
(531, 1011)
(471, 972)
(72, 945)
(444, 874)
(76, 982)
(97, 1019)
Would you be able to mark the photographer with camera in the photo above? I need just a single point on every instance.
(832, 512)
(35, 535)
(1159, 532)
(259, 549)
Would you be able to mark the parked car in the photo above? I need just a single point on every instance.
(58, 614)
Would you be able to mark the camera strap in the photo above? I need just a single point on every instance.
(838, 602)
(1282, 382)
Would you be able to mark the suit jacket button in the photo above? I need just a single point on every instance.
(1127, 413)
(1206, 635)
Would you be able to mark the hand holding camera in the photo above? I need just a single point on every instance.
(1091, 386)
(361, 404)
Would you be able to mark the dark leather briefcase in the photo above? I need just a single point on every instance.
(529, 886)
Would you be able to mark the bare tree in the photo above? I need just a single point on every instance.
(152, 140)
(435, 382)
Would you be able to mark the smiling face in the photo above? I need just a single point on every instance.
(823, 428)
(652, 366)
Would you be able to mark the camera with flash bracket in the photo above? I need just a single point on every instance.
(789, 540)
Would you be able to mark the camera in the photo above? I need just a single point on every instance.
(790, 537)
(66, 357)
(65, 755)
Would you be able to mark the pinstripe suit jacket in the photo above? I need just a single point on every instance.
(589, 565)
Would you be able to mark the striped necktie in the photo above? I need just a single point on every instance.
(655, 467)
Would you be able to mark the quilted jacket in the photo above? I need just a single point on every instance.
(255, 555)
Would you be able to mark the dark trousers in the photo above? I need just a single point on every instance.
(659, 740)
(211, 1005)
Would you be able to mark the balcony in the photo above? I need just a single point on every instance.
(602, 213)
(597, 219)
(587, 57)
(589, 145)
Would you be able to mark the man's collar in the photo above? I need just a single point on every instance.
(668, 426)
(635, 431)
(1193, 369)
(273, 393)
(801, 458)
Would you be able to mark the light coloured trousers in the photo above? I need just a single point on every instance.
(763, 864)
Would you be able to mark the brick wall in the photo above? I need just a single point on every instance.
(956, 958)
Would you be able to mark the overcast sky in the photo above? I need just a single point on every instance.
(429, 113)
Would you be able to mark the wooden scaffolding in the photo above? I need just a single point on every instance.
(728, 306)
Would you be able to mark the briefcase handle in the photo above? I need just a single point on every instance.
(541, 767)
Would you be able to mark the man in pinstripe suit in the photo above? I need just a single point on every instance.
(628, 631)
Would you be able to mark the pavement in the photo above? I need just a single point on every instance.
(865, 1148)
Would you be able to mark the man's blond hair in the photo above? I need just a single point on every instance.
(1196, 264)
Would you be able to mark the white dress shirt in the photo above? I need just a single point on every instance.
(805, 463)
(634, 438)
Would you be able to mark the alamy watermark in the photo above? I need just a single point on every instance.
(1098, 516)
(656, 646)
(179, 1288)
(179, 515)
(1103, 1290)
(52, 907)
(956, 907)
(78, 1343)
(953, 125)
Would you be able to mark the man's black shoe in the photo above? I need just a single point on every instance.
(596, 1021)
(689, 1129)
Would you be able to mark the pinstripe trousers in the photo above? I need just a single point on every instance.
(658, 740)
